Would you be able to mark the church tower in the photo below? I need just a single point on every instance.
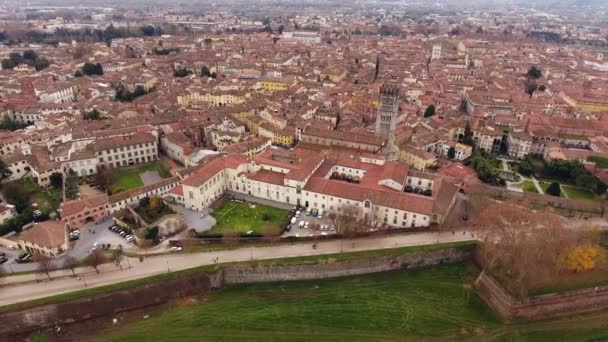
(386, 120)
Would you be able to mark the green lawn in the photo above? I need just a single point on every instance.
(578, 193)
(386, 306)
(528, 185)
(545, 185)
(47, 199)
(127, 178)
(237, 217)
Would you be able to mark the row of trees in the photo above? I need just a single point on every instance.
(96, 258)
(29, 57)
(12, 125)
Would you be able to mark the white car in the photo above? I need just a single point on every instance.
(175, 249)
(129, 238)
(301, 225)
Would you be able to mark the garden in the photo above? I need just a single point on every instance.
(239, 217)
(152, 208)
(123, 179)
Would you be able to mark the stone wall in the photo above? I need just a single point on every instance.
(277, 273)
(541, 307)
(23, 321)
(20, 322)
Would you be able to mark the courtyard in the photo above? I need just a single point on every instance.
(124, 179)
(241, 217)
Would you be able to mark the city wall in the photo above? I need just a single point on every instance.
(540, 307)
(20, 322)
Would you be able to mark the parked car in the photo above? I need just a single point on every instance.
(3, 260)
(25, 257)
(301, 224)
(175, 249)
(288, 228)
(129, 238)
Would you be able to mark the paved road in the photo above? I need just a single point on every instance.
(39, 287)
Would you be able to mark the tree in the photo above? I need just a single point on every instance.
(8, 64)
(347, 220)
(280, 29)
(41, 63)
(70, 262)
(95, 258)
(16, 195)
(56, 180)
(45, 264)
(430, 111)
(117, 257)
(30, 55)
(182, 72)
(522, 248)
(581, 258)
(205, 71)
(92, 69)
(553, 189)
(103, 177)
(213, 75)
(534, 73)
(452, 153)
(78, 73)
(11, 124)
(542, 87)
(468, 138)
(92, 115)
(5, 172)
(525, 168)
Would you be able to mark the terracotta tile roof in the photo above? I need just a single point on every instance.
(48, 233)
(208, 170)
(70, 208)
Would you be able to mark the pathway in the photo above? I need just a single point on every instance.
(15, 290)
(537, 185)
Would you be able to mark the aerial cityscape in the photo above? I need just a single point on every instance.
(270, 170)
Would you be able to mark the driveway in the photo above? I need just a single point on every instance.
(198, 220)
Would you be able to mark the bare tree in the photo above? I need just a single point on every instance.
(521, 246)
(117, 257)
(70, 262)
(96, 258)
(348, 220)
(45, 264)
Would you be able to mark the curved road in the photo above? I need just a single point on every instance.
(26, 287)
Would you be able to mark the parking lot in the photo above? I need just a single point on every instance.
(89, 235)
(306, 224)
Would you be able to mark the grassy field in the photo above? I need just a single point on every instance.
(577, 193)
(47, 199)
(237, 217)
(528, 185)
(124, 179)
(431, 303)
(545, 185)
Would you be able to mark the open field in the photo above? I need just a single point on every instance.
(428, 305)
(577, 193)
(431, 302)
(528, 185)
(235, 217)
(124, 179)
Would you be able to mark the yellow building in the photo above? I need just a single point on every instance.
(276, 84)
(416, 158)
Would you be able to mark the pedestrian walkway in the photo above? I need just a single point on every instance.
(31, 286)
